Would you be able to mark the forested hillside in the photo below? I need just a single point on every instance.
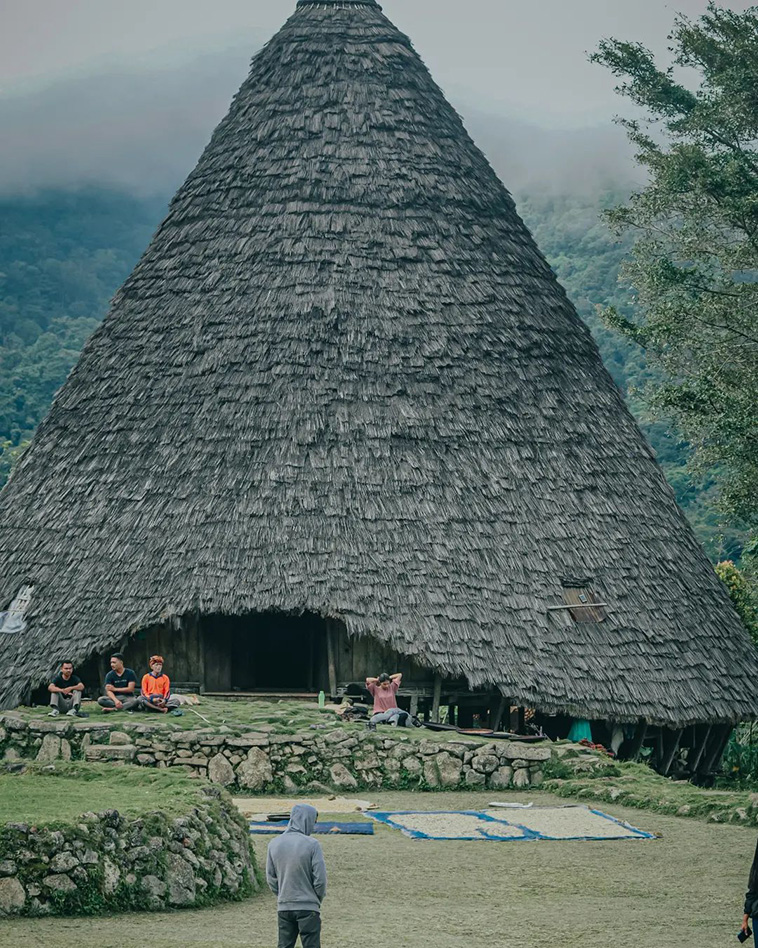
(63, 255)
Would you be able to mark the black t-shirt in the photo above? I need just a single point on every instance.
(60, 682)
(122, 680)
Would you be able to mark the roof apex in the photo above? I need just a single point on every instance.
(338, 3)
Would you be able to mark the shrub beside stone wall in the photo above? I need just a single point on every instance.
(105, 862)
(346, 758)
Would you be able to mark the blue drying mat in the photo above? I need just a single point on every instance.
(569, 823)
(346, 829)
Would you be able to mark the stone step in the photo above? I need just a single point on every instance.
(101, 752)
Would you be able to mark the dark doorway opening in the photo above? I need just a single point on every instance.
(272, 651)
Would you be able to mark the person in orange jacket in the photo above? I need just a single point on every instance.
(156, 694)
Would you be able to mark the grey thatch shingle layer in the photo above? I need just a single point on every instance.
(342, 378)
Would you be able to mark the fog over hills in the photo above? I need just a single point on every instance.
(143, 130)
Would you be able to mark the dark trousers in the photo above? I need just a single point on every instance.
(305, 924)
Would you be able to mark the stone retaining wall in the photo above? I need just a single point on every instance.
(107, 863)
(346, 758)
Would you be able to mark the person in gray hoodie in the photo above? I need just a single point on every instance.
(296, 874)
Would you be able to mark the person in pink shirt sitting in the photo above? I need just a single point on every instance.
(384, 692)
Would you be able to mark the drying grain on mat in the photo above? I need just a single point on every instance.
(453, 825)
(566, 822)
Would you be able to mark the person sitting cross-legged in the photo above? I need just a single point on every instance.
(66, 693)
(156, 690)
(120, 683)
(384, 692)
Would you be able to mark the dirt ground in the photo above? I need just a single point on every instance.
(685, 889)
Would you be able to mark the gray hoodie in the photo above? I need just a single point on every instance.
(295, 868)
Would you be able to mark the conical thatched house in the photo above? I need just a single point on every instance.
(341, 416)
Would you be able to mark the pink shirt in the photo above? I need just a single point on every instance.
(384, 698)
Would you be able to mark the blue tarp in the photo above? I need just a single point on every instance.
(351, 829)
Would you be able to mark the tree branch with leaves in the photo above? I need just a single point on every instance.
(694, 265)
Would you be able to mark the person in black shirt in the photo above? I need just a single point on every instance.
(751, 897)
(66, 693)
(120, 683)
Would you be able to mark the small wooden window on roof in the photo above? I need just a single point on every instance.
(581, 603)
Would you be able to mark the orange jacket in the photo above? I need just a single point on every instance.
(153, 687)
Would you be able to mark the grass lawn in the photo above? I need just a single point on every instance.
(61, 796)
(683, 889)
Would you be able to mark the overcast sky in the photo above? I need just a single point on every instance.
(128, 91)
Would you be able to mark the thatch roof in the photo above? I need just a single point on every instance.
(343, 379)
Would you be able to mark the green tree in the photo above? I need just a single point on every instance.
(9, 456)
(743, 595)
(694, 264)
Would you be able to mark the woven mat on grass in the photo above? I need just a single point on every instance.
(538, 823)
(346, 829)
(257, 808)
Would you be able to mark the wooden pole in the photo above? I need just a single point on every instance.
(498, 719)
(436, 698)
(668, 757)
(311, 661)
(699, 750)
(639, 740)
(331, 659)
(718, 746)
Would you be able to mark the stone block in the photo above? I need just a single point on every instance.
(336, 736)
(411, 764)
(59, 883)
(428, 747)
(181, 881)
(119, 738)
(485, 763)
(102, 752)
(248, 740)
(50, 727)
(220, 771)
(289, 785)
(63, 862)
(501, 779)
(520, 750)
(449, 768)
(255, 772)
(154, 889)
(50, 749)
(431, 774)
(521, 778)
(12, 896)
(342, 778)
(475, 779)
